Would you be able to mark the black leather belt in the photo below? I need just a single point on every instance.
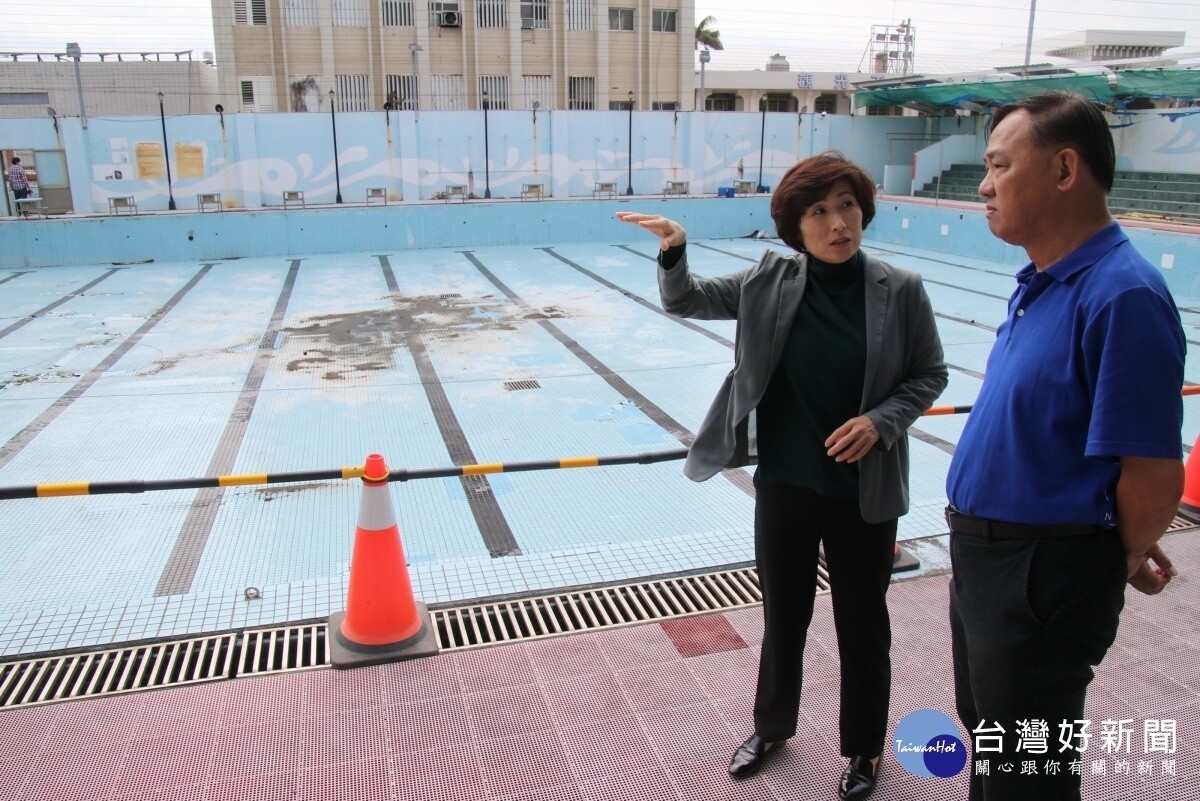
(961, 523)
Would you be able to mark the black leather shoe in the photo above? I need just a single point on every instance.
(858, 780)
(749, 757)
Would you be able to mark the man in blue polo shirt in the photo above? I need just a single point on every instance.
(1069, 469)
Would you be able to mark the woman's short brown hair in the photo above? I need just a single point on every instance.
(811, 180)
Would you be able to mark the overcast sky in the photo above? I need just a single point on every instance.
(951, 34)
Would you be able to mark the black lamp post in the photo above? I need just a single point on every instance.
(337, 176)
(629, 187)
(487, 177)
(166, 153)
(762, 140)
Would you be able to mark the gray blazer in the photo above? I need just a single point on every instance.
(905, 367)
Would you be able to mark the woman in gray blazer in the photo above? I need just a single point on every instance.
(837, 354)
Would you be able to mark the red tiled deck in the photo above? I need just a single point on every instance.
(642, 713)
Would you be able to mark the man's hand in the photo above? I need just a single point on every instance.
(669, 232)
(853, 439)
(1147, 578)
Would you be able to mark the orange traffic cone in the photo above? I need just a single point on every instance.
(1191, 478)
(383, 622)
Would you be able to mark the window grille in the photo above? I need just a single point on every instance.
(491, 13)
(826, 104)
(300, 12)
(497, 88)
(535, 14)
(350, 13)
(664, 105)
(447, 93)
(780, 102)
(720, 102)
(398, 13)
(402, 92)
(539, 89)
(581, 93)
(249, 12)
(444, 14)
(579, 15)
(353, 92)
(258, 93)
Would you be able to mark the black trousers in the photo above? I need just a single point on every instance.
(789, 524)
(1029, 619)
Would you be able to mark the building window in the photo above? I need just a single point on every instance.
(353, 92)
(535, 14)
(24, 98)
(496, 87)
(258, 93)
(664, 20)
(581, 93)
(350, 13)
(539, 89)
(300, 12)
(826, 104)
(401, 92)
(721, 102)
(619, 105)
(447, 93)
(444, 14)
(579, 15)
(620, 19)
(664, 105)
(885, 111)
(780, 102)
(249, 12)
(398, 13)
(491, 13)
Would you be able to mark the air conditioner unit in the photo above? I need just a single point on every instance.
(449, 19)
(527, 24)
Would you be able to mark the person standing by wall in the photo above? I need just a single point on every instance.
(837, 355)
(1069, 467)
(17, 180)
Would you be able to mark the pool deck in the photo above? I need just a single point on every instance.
(644, 713)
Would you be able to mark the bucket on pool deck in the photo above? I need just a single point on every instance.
(383, 622)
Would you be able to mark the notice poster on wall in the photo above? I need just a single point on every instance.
(189, 160)
(150, 162)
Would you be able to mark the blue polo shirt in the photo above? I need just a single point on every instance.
(1087, 368)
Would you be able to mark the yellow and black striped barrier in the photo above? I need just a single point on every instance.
(340, 473)
(344, 473)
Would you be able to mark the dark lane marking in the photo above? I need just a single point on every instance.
(6, 279)
(638, 299)
(181, 566)
(736, 476)
(29, 318)
(489, 517)
(26, 435)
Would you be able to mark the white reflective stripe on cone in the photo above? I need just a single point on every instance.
(375, 511)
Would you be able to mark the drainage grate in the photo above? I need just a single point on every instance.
(164, 664)
(1182, 522)
(600, 608)
(304, 646)
(513, 386)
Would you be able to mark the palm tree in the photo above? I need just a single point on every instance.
(708, 36)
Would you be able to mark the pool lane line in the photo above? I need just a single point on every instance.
(22, 438)
(17, 274)
(29, 318)
(638, 299)
(179, 571)
(736, 476)
(497, 534)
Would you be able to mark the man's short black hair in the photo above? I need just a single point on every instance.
(1066, 119)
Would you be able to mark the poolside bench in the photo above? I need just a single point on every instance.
(123, 203)
(206, 201)
(293, 197)
(533, 191)
(744, 187)
(604, 189)
(456, 191)
(30, 205)
(376, 194)
(676, 188)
